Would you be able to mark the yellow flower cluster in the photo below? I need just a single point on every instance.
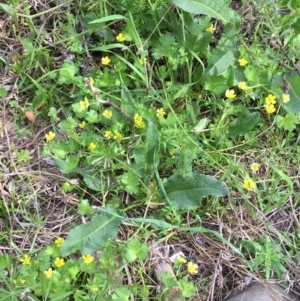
(270, 104)
(49, 273)
(118, 137)
(59, 241)
(82, 124)
(243, 85)
(143, 60)
(120, 37)
(59, 262)
(138, 121)
(84, 103)
(285, 98)
(107, 114)
(192, 268)
(92, 146)
(105, 60)
(87, 259)
(25, 260)
(108, 134)
(243, 62)
(255, 167)
(160, 112)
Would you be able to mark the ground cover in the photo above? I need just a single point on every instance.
(149, 149)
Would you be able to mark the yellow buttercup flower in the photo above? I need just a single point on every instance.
(211, 28)
(87, 259)
(181, 260)
(25, 260)
(92, 146)
(84, 103)
(138, 121)
(108, 134)
(249, 184)
(59, 241)
(270, 108)
(142, 60)
(48, 273)
(255, 167)
(230, 94)
(120, 37)
(118, 137)
(82, 124)
(50, 136)
(192, 268)
(160, 112)
(243, 62)
(59, 262)
(285, 98)
(105, 61)
(271, 99)
(107, 114)
(243, 86)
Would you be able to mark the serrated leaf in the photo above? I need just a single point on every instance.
(288, 122)
(293, 106)
(218, 9)
(92, 236)
(163, 46)
(135, 250)
(185, 191)
(216, 84)
(243, 124)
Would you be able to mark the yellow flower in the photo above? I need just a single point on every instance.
(181, 260)
(84, 103)
(138, 121)
(25, 260)
(243, 86)
(249, 184)
(59, 241)
(95, 288)
(50, 136)
(192, 268)
(59, 262)
(270, 108)
(107, 114)
(243, 62)
(255, 167)
(108, 134)
(87, 259)
(48, 273)
(92, 146)
(105, 60)
(118, 137)
(22, 281)
(230, 94)
(120, 37)
(271, 99)
(82, 124)
(142, 60)
(211, 29)
(285, 98)
(160, 112)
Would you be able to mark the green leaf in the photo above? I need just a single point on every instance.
(68, 165)
(127, 101)
(131, 182)
(6, 8)
(185, 191)
(135, 250)
(3, 92)
(221, 66)
(108, 18)
(153, 143)
(218, 9)
(92, 236)
(90, 178)
(216, 84)
(293, 106)
(163, 46)
(92, 116)
(288, 122)
(67, 73)
(84, 208)
(243, 124)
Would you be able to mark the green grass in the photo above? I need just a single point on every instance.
(163, 170)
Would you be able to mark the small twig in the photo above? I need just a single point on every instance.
(107, 102)
(25, 295)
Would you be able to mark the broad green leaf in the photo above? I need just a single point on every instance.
(216, 84)
(185, 191)
(218, 9)
(68, 165)
(287, 122)
(3, 92)
(92, 236)
(221, 66)
(108, 18)
(162, 48)
(243, 124)
(92, 180)
(127, 104)
(293, 106)
(153, 143)
(67, 72)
